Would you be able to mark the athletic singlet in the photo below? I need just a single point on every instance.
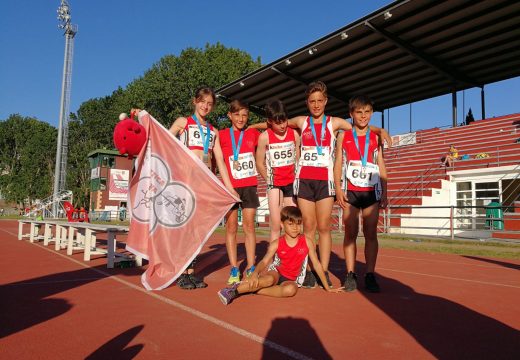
(356, 178)
(291, 258)
(312, 165)
(280, 158)
(245, 174)
(191, 137)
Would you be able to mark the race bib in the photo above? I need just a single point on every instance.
(282, 154)
(360, 176)
(194, 138)
(310, 156)
(244, 167)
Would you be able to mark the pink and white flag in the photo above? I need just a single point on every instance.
(176, 204)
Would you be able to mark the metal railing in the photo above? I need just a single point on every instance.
(457, 219)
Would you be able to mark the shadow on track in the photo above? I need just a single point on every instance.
(293, 333)
(116, 348)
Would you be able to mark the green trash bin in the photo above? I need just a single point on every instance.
(495, 212)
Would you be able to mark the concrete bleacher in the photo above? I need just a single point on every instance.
(415, 171)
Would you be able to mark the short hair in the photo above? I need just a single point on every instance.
(237, 105)
(291, 213)
(203, 91)
(360, 101)
(275, 110)
(314, 87)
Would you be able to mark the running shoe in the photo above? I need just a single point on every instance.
(310, 280)
(371, 283)
(234, 276)
(227, 295)
(185, 283)
(350, 281)
(199, 283)
(250, 271)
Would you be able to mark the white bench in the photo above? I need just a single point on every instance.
(85, 238)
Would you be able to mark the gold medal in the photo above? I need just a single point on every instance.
(236, 165)
(205, 158)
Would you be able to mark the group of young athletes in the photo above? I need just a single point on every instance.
(308, 162)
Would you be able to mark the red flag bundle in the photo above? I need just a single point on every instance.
(176, 204)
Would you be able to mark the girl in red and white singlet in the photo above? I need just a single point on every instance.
(201, 138)
(276, 156)
(236, 163)
(194, 131)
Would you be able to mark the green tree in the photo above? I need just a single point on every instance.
(167, 88)
(27, 153)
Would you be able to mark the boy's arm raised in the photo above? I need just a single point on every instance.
(319, 269)
(342, 124)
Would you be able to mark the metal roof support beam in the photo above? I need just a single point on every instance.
(454, 108)
(483, 102)
(430, 61)
(331, 92)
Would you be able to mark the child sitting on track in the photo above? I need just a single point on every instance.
(277, 153)
(291, 251)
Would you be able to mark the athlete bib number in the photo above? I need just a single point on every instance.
(282, 154)
(362, 177)
(244, 167)
(310, 156)
(194, 138)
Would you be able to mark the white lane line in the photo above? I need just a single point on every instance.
(450, 278)
(454, 262)
(263, 341)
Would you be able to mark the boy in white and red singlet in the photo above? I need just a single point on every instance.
(236, 163)
(290, 253)
(314, 184)
(276, 156)
(359, 159)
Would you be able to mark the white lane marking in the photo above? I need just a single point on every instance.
(263, 341)
(449, 278)
(454, 262)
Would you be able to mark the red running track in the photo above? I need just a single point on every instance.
(431, 306)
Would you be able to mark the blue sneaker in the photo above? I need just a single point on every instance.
(234, 276)
(250, 271)
(227, 295)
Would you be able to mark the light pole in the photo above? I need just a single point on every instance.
(60, 170)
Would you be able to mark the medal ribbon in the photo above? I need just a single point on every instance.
(363, 157)
(205, 138)
(322, 137)
(236, 149)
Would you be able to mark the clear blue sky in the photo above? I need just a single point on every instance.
(118, 40)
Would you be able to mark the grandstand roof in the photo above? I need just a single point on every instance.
(404, 52)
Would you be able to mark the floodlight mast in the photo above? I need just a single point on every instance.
(60, 170)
